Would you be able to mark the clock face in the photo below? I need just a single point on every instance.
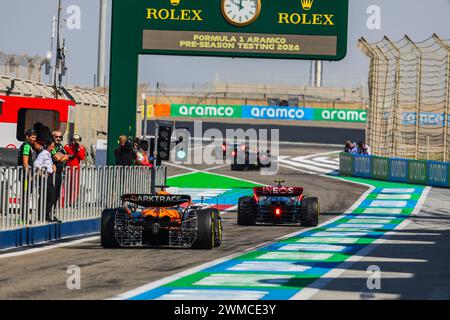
(241, 12)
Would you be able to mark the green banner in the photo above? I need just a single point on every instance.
(205, 111)
(340, 115)
(417, 172)
(380, 168)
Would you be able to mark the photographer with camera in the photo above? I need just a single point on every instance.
(77, 153)
(125, 153)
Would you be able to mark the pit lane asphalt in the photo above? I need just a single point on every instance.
(108, 273)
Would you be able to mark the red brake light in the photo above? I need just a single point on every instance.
(278, 212)
(233, 153)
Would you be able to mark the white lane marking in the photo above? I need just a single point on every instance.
(337, 234)
(400, 190)
(314, 288)
(305, 166)
(279, 255)
(315, 163)
(387, 211)
(329, 240)
(318, 155)
(49, 247)
(216, 168)
(384, 196)
(365, 219)
(327, 160)
(388, 204)
(223, 295)
(312, 247)
(361, 225)
(244, 280)
(181, 167)
(337, 229)
(269, 266)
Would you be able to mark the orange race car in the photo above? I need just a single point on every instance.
(161, 219)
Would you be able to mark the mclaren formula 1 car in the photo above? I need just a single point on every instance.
(161, 220)
(279, 205)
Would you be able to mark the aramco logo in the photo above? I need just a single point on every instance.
(175, 2)
(307, 4)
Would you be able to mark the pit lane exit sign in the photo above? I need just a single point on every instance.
(276, 29)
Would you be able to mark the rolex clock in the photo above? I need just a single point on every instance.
(241, 13)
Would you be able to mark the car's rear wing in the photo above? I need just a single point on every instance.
(156, 201)
(278, 191)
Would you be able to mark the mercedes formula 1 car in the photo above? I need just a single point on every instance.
(161, 220)
(279, 205)
(246, 158)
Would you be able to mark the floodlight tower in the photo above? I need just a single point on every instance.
(102, 44)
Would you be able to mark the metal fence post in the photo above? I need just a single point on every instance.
(447, 93)
(418, 94)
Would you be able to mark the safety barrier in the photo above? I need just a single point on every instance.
(420, 172)
(85, 193)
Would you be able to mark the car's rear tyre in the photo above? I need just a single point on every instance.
(247, 211)
(310, 212)
(206, 230)
(107, 236)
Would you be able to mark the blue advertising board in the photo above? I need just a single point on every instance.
(277, 113)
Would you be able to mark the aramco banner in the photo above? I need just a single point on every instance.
(266, 113)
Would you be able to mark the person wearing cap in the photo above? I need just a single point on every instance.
(27, 153)
(77, 153)
(45, 165)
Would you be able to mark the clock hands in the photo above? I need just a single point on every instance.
(238, 4)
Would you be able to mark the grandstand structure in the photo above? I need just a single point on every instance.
(220, 92)
(409, 85)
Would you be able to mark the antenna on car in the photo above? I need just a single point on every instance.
(280, 182)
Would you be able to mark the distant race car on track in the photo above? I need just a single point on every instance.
(161, 220)
(246, 158)
(279, 205)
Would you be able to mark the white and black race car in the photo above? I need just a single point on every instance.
(278, 205)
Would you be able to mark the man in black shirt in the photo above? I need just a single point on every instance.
(59, 157)
(125, 154)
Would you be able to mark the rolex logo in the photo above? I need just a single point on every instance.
(175, 2)
(307, 4)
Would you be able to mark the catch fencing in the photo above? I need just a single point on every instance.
(409, 85)
(85, 193)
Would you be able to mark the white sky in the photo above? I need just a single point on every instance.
(25, 27)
